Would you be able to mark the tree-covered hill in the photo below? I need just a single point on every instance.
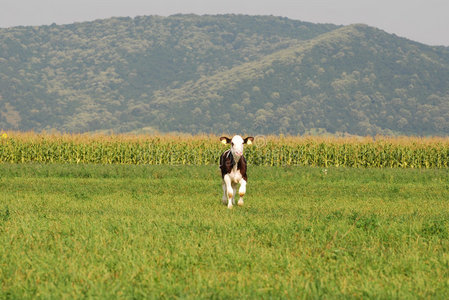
(221, 73)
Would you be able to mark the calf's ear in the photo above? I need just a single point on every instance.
(225, 140)
(248, 140)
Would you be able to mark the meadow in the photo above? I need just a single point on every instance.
(160, 231)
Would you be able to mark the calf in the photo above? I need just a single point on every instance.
(233, 169)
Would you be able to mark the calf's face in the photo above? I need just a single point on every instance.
(237, 144)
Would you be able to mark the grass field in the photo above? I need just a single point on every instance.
(130, 231)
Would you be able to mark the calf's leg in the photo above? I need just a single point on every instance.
(224, 199)
(242, 191)
(229, 190)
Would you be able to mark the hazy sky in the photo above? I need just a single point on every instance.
(426, 21)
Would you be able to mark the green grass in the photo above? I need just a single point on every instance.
(75, 231)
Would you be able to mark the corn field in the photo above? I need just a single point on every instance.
(380, 152)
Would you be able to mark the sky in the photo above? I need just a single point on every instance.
(425, 21)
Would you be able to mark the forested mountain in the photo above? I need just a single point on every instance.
(229, 73)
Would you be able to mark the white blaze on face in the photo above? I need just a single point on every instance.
(237, 146)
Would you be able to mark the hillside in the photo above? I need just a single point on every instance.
(228, 73)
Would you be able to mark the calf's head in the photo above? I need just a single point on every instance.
(237, 144)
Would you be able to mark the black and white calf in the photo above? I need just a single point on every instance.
(233, 169)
